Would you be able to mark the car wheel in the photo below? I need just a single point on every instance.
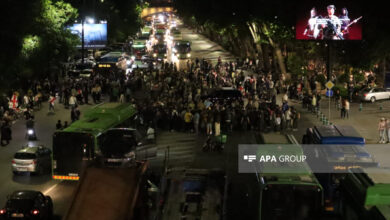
(50, 211)
(40, 171)
(373, 99)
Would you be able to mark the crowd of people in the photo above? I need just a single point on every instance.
(176, 99)
(167, 98)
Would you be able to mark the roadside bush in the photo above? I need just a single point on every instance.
(343, 91)
(359, 77)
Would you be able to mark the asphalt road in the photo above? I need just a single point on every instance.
(45, 127)
(61, 191)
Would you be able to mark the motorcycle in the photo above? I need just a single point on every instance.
(212, 145)
(31, 135)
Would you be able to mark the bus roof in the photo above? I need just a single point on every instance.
(336, 134)
(102, 117)
(298, 173)
(381, 212)
(111, 57)
(370, 186)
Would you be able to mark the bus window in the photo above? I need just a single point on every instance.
(118, 142)
(296, 202)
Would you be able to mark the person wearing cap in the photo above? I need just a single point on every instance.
(382, 131)
(329, 32)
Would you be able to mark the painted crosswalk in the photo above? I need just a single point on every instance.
(175, 149)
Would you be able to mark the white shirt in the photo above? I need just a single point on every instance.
(150, 133)
(72, 100)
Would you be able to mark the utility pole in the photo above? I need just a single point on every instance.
(328, 61)
(82, 41)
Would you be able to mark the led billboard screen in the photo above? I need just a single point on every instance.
(329, 22)
(95, 35)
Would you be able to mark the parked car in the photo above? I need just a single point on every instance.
(374, 94)
(35, 160)
(27, 204)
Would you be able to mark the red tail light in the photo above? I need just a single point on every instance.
(2, 211)
(34, 162)
(13, 162)
(365, 94)
(35, 212)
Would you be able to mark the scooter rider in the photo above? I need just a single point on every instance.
(31, 135)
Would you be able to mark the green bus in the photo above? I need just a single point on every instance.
(78, 143)
(366, 193)
(288, 190)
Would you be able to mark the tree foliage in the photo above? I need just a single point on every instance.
(35, 38)
(279, 18)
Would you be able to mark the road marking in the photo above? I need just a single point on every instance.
(50, 189)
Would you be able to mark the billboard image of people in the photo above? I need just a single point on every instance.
(328, 22)
(95, 35)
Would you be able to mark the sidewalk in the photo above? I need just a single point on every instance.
(365, 121)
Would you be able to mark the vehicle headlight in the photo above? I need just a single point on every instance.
(188, 55)
(165, 55)
(131, 154)
(154, 55)
(30, 131)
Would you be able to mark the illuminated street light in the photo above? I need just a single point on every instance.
(90, 20)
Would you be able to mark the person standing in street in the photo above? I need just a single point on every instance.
(313, 104)
(72, 101)
(188, 120)
(196, 122)
(388, 129)
(52, 99)
(382, 131)
(295, 117)
(346, 108)
(217, 122)
(342, 109)
(59, 125)
(5, 132)
(65, 125)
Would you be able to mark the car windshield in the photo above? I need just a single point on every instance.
(144, 37)
(366, 90)
(183, 48)
(160, 48)
(23, 204)
(25, 156)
